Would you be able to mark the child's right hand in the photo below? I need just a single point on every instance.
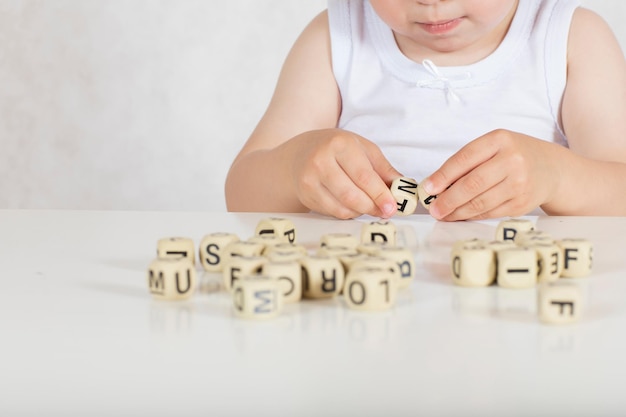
(341, 174)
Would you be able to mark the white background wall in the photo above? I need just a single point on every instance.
(141, 104)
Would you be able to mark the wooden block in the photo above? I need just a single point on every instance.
(348, 260)
(473, 266)
(322, 276)
(382, 231)
(497, 245)
(531, 237)
(336, 251)
(242, 248)
(289, 276)
(279, 227)
(404, 259)
(339, 239)
(507, 229)
(286, 252)
(550, 261)
(517, 267)
(404, 190)
(213, 249)
(468, 243)
(370, 248)
(559, 304)
(175, 247)
(577, 257)
(171, 278)
(268, 242)
(370, 289)
(376, 262)
(257, 297)
(239, 266)
(425, 198)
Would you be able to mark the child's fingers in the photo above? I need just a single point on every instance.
(381, 165)
(471, 191)
(318, 198)
(466, 159)
(362, 174)
(342, 186)
(480, 205)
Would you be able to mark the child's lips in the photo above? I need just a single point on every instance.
(441, 27)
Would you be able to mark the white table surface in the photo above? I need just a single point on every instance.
(80, 334)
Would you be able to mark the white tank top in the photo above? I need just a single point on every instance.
(420, 114)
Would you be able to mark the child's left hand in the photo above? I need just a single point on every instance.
(502, 173)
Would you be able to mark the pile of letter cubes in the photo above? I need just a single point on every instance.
(270, 269)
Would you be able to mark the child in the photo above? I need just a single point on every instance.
(499, 106)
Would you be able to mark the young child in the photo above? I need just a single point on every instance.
(496, 106)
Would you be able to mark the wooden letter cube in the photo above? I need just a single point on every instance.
(425, 198)
(239, 266)
(531, 237)
(370, 288)
(336, 251)
(213, 248)
(175, 247)
(577, 257)
(404, 190)
(289, 276)
(171, 278)
(279, 227)
(322, 276)
(242, 248)
(559, 304)
(507, 229)
(473, 266)
(405, 261)
(517, 267)
(382, 231)
(257, 297)
(339, 239)
(286, 252)
(550, 261)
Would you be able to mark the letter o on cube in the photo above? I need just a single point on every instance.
(370, 289)
(257, 297)
(171, 278)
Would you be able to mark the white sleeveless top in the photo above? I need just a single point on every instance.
(420, 114)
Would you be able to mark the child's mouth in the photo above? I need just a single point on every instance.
(440, 28)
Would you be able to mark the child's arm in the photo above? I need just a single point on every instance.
(508, 174)
(295, 160)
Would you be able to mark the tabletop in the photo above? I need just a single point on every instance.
(81, 335)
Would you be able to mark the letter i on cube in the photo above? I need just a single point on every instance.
(517, 267)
